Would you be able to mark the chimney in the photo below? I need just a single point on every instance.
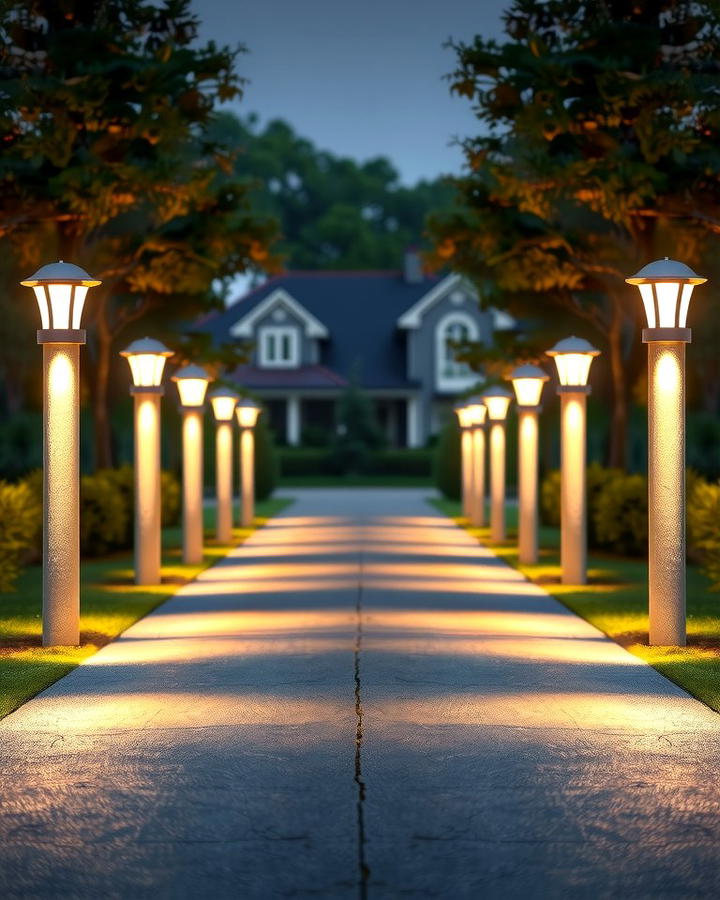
(412, 266)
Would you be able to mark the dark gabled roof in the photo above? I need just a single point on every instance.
(359, 309)
(304, 377)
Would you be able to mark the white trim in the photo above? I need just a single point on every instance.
(278, 333)
(448, 384)
(413, 317)
(292, 420)
(313, 327)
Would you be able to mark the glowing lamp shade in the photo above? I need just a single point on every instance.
(247, 413)
(462, 411)
(147, 359)
(497, 400)
(476, 411)
(573, 357)
(666, 286)
(192, 382)
(528, 382)
(223, 403)
(60, 289)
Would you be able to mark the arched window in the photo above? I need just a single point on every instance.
(453, 329)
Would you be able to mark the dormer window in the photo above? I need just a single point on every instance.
(452, 375)
(279, 347)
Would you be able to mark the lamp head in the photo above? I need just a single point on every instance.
(573, 357)
(666, 286)
(477, 411)
(528, 382)
(497, 400)
(147, 359)
(192, 382)
(223, 402)
(60, 290)
(462, 411)
(247, 412)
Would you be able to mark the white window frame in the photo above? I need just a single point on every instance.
(456, 382)
(277, 333)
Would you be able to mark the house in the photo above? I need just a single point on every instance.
(391, 332)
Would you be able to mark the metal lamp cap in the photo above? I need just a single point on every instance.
(61, 273)
(666, 270)
(573, 345)
(146, 345)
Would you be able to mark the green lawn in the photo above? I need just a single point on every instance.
(615, 601)
(110, 603)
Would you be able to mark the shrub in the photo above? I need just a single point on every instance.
(703, 524)
(448, 463)
(20, 525)
(124, 481)
(299, 461)
(621, 515)
(171, 499)
(550, 499)
(417, 462)
(103, 515)
(266, 466)
(597, 479)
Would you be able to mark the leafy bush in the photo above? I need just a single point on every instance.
(103, 515)
(703, 524)
(124, 481)
(417, 462)
(621, 515)
(597, 480)
(550, 499)
(20, 526)
(448, 462)
(171, 499)
(266, 466)
(299, 461)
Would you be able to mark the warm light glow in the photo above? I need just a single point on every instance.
(573, 368)
(192, 391)
(223, 406)
(60, 289)
(477, 413)
(42, 301)
(61, 378)
(666, 287)
(528, 391)
(146, 368)
(497, 407)
(668, 377)
(464, 416)
(247, 416)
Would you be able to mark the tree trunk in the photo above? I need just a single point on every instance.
(617, 456)
(100, 385)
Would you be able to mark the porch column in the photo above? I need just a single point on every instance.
(292, 421)
(414, 437)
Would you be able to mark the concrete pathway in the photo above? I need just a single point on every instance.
(360, 702)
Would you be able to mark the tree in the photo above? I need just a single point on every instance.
(335, 213)
(108, 161)
(600, 153)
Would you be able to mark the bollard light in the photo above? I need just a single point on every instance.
(223, 402)
(528, 382)
(147, 358)
(666, 287)
(477, 414)
(573, 358)
(247, 412)
(192, 382)
(60, 289)
(462, 411)
(497, 400)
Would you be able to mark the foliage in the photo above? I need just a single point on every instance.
(171, 499)
(703, 521)
(123, 479)
(550, 499)
(335, 213)
(358, 433)
(20, 523)
(621, 515)
(597, 152)
(266, 465)
(104, 515)
(108, 161)
(447, 470)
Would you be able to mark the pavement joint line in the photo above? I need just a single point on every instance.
(364, 871)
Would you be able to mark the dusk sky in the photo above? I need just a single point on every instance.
(358, 79)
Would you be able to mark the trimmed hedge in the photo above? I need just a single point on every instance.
(448, 476)
(298, 462)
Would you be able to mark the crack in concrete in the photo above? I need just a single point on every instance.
(364, 871)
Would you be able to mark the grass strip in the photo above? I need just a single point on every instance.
(615, 601)
(110, 603)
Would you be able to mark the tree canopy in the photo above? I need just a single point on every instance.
(597, 151)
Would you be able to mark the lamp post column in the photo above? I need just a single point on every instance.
(497, 481)
(573, 494)
(666, 488)
(468, 479)
(147, 484)
(477, 507)
(247, 477)
(192, 429)
(224, 479)
(61, 486)
(528, 484)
